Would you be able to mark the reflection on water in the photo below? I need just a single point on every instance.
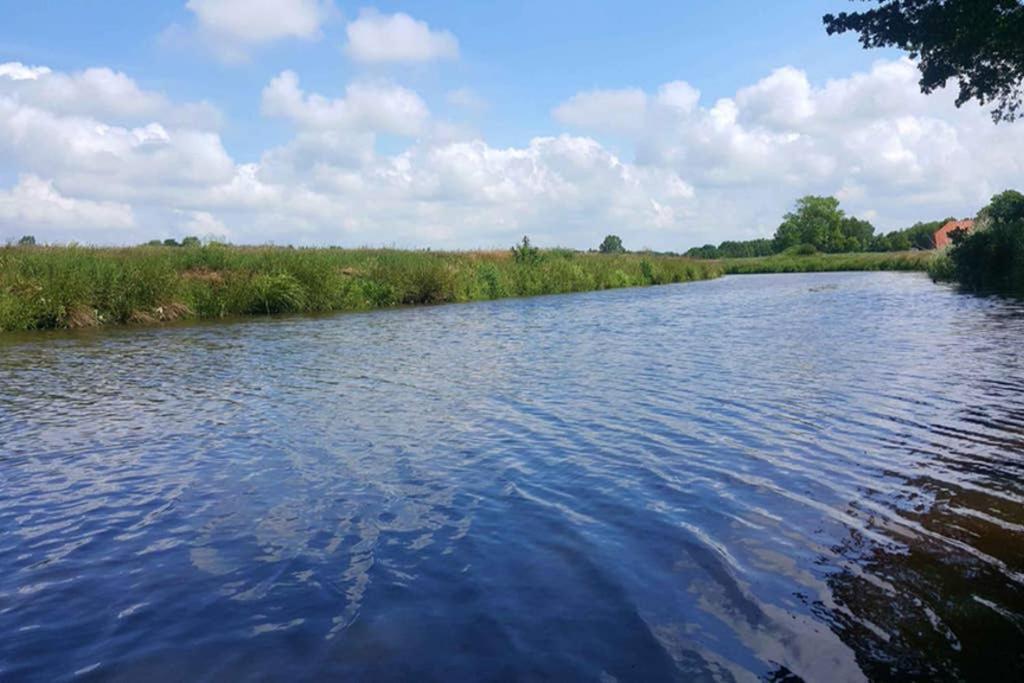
(760, 477)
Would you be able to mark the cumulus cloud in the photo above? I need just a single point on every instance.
(378, 38)
(615, 111)
(231, 28)
(99, 92)
(16, 71)
(202, 224)
(114, 161)
(888, 150)
(35, 204)
(370, 164)
(366, 106)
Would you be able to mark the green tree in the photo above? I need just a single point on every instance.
(856, 234)
(980, 43)
(708, 251)
(27, 241)
(921, 235)
(612, 244)
(190, 241)
(816, 221)
(894, 241)
(745, 249)
(171, 242)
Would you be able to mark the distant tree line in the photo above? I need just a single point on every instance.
(190, 241)
(817, 224)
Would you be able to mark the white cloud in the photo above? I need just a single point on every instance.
(34, 204)
(782, 101)
(378, 38)
(366, 106)
(202, 224)
(232, 27)
(613, 111)
(99, 92)
(892, 152)
(627, 111)
(678, 97)
(372, 165)
(93, 159)
(16, 71)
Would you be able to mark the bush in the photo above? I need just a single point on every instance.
(490, 281)
(991, 258)
(801, 250)
(525, 253)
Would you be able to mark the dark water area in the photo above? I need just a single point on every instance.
(755, 478)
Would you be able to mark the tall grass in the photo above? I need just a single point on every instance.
(783, 263)
(67, 287)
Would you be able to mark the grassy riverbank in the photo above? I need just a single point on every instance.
(818, 263)
(71, 287)
(58, 287)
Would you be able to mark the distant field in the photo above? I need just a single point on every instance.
(73, 287)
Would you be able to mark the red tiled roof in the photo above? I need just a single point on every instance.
(941, 235)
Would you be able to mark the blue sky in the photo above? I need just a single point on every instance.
(466, 124)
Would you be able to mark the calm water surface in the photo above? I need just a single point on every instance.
(759, 477)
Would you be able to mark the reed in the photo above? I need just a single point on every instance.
(816, 263)
(69, 287)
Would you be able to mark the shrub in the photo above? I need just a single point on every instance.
(490, 281)
(992, 256)
(526, 253)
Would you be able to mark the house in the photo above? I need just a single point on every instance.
(942, 236)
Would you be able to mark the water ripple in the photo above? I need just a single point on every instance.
(754, 478)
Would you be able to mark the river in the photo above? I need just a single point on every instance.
(753, 478)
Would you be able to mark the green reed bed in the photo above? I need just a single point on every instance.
(815, 263)
(70, 287)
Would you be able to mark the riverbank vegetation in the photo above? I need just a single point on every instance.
(991, 257)
(821, 263)
(70, 287)
(818, 224)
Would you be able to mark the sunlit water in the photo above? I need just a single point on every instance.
(756, 477)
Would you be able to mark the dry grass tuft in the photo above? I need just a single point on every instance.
(166, 313)
(142, 318)
(81, 316)
(173, 311)
(206, 275)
